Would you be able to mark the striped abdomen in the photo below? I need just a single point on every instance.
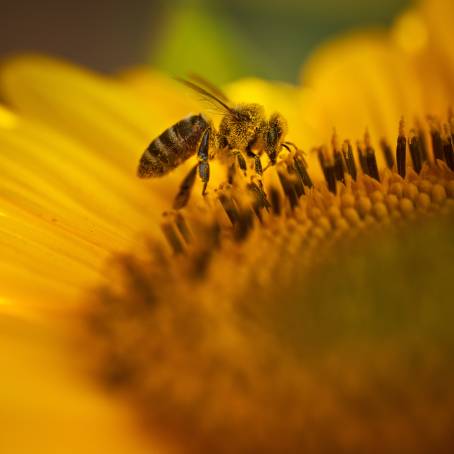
(172, 147)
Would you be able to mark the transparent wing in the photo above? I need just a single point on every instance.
(220, 105)
(202, 82)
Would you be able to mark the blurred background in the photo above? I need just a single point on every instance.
(225, 38)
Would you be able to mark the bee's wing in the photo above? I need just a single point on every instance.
(201, 81)
(213, 98)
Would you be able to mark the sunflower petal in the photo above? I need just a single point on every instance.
(438, 14)
(362, 82)
(98, 112)
(59, 223)
(46, 407)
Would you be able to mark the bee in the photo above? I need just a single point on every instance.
(243, 130)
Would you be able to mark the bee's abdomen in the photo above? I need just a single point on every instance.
(172, 147)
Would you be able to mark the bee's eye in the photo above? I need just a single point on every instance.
(272, 136)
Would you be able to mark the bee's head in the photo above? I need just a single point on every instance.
(277, 130)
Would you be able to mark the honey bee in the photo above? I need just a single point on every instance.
(243, 129)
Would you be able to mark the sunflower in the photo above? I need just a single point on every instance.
(308, 312)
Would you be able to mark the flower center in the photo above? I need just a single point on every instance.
(214, 338)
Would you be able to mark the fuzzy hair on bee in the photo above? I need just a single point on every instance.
(244, 133)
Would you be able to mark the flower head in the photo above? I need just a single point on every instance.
(308, 310)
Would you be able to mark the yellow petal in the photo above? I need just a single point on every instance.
(97, 111)
(47, 407)
(64, 210)
(438, 14)
(7, 118)
(360, 83)
(410, 32)
(415, 35)
(370, 79)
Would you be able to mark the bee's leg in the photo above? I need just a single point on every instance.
(202, 156)
(241, 161)
(182, 198)
(204, 174)
(258, 185)
(231, 173)
(257, 162)
(258, 165)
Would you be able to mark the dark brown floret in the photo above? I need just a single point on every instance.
(448, 151)
(275, 198)
(183, 228)
(229, 207)
(437, 143)
(301, 168)
(362, 158)
(387, 153)
(415, 152)
(347, 151)
(339, 166)
(172, 237)
(372, 168)
(288, 188)
(401, 151)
